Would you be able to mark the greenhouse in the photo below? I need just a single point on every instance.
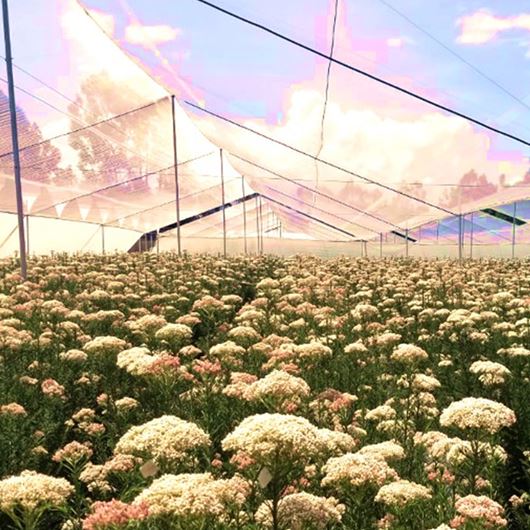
(264, 265)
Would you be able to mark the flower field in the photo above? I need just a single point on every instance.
(199, 393)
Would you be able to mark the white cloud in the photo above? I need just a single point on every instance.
(482, 26)
(395, 42)
(150, 36)
(397, 150)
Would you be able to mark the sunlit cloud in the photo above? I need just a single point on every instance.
(395, 42)
(149, 36)
(482, 26)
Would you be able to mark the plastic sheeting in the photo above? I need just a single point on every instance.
(335, 156)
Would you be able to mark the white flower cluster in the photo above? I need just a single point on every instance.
(490, 373)
(268, 438)
(402, 492)
(106, 345)
(194, 495)
(30, 490)
(477, 413)
(167, 438)
(302, 510)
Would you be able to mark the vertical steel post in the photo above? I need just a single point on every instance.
(257, 225)
(244, 213)
(177, 184)
(471, 236)
(27, 235)
(14, 142)
(223, 201)
(460, 237)
(261, 225)
(513, 229)
(381, 245)
(407, 242)
(103, 239)
(158, 241)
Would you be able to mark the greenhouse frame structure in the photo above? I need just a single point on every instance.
(248, 199)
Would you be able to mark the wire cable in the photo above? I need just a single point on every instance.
(364, 73)
(454, 53)
(84, 128)
(326, 97)
(329, 197)
(308, 155)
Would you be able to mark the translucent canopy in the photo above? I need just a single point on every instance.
(118, 101)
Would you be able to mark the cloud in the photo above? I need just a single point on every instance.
(424, 152)
(149, 36)
(482, 26)
(395, 42)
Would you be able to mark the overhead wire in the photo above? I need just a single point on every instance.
(326, 96)
(364, 73)
(121, 183)
(454, 53)
(308, 155)
(322, 194)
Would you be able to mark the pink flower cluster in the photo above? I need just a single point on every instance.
(474, 508)
(50, 387)
(114, 513)
(164, 363)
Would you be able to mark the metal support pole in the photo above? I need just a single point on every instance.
(244, 213)
(471, 237)
(103, 239)
(362, 249)
(27, 235)
(257, 226)
(407, 242)
(157, 241)
(223, 201)
(513, 229)
(460, 237)
(14, 142)
(261, 225)
(175, 162)
(381, 245)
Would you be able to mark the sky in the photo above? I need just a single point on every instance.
(224, 57)
(470, 55)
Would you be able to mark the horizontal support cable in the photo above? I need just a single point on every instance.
(274, 190)
(79, 129)
(118, 184)
(364, 73)
(151, 208)
(308, 155)
(316, 219)
(322, 194)
(403, 236)
(204, 214)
